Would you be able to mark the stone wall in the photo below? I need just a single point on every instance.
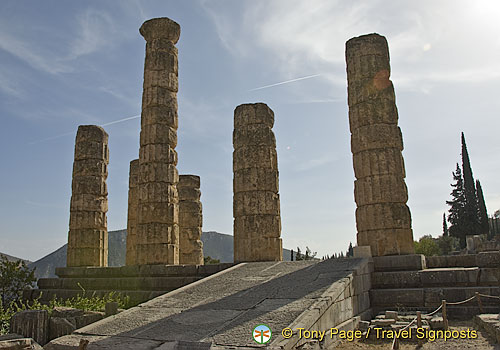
(190, 220)
(88, 234)
(382, 217)
(133, 200)
(256, 203)
(158, 207)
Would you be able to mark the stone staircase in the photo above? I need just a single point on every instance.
(406, 283)
(139, 283)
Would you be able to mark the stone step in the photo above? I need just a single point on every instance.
(431, 297)
(46, 295)
(142, 270)
(437, 277)
(117, 283)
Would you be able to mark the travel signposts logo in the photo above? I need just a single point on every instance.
(261, 334)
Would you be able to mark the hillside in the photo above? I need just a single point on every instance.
(13, 258)
(216, 245)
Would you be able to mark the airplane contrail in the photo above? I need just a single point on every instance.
(72, 132)
(285, 82)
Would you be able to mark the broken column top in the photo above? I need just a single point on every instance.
(253, 113)
(368, 44)
(189, 181)
(91, 133)
(161, 28)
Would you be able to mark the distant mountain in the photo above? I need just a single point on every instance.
(216, 245)
(13, 258)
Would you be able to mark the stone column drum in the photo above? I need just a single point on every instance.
(133, 200)
(88, 233)
(158, 207)
(256, 203)
(382, 217)
(190, 220)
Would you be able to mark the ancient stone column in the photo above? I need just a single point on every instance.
(256, 203)
(158, 207)
(382, 217)
(190, 220)
(88, 233)
(133, 200)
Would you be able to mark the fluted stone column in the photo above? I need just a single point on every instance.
(190, 220)
(382, 216)
(88, 233)
(256, 204)
(158, 207)
(133, 200)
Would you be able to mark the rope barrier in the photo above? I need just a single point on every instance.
(395, 342)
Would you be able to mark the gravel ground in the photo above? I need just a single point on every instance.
(480, 343)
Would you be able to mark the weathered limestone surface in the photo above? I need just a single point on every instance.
(31, 324)
(382, 217)
(190, 220)
(158, 205)
(256, 204)
(133, 199)
(88, 233)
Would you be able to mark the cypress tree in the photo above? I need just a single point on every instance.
(445, 226)
(471, 210)
(483, 214)
(456, 216)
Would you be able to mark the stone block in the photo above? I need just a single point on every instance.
(158, 153)
(163, 78)
(91, 133)
(388, 242)
(158, 253)
(163, 213)
(59, 327)
(254, 135)
(256, 203)
(111, 308)
(94, 185)
(191, 207)
(383, 216)
(255, 179)
(96, 150)
(362, 251)
(391, 315)
(489, 276)
(157, 172)
(189, 181)
(188, 193)
(90, 167)
(88, 238)
(158, 96)
(449, 277)
(31, 324)
(258, 225)
(411, 262)
(396, 297)
(152, 233)
(189, 220)
(159, 115)
(255, 157)
(373, 112)
(488, 259)
(88, 202)
(158, 192)
(389, 188)
(396, 279)
(158, 134)
(66, 312)
(255, 113)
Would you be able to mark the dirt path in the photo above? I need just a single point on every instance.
(479, 343)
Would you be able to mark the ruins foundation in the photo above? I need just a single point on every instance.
(382, 217)
(158, 207)
(88, 233)
(133, 199)
(256, 203)
(190, 220)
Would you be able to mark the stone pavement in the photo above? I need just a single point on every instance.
(220, 311)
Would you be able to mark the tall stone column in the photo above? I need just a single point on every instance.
(190, 220)
(256, 203)
(382, 217)
(158, 207)
(133, 200)
(88, 233)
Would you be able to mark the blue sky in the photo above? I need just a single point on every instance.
(67, 63)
